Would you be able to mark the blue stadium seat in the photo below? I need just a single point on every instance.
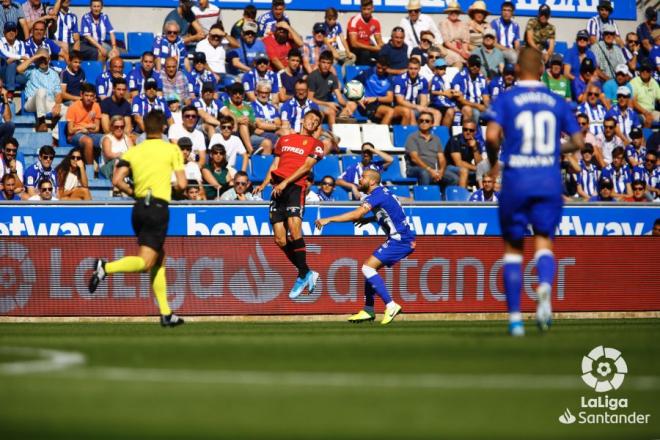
(393, 173)
(340, 194)
(399, 190)
(265, 194)
(349, 160)
(443, 133)
(137, 43)
(328, 166)
(353, 71)
(648, 132)
(260, 166)
(424, 193)
(561, 47)
(92, 70)
(340, 75)
(63, 142)
(456, 194)
(239, 162)
(120, 37)
(401, 133)
(128, 66)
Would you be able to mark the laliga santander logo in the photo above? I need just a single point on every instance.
(17, 275)
(604, 369)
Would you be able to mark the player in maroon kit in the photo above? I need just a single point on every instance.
(295, 156)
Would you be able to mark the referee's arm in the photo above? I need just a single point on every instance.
(119, 177)
(181, 181)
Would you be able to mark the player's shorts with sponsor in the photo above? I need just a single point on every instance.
(290, 203)
(393, 251)
(150, 222)
(516, 212)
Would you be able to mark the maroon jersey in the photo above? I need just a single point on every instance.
(293, 150)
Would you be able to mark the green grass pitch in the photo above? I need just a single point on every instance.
(321, 380)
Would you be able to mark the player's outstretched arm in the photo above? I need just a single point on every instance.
(350, 216)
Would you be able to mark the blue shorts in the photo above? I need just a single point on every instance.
(393, 251)
(516, 212)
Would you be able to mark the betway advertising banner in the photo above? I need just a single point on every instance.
(560, 8)
(47, 276)
(252, 220)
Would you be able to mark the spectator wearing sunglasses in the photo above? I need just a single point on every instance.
(638, 193)
(215, 47)
(188, 128)
(619, 173)
(326, 189)
(578, 52)
(586, 77)
(424, 154)
(608, 54)
(41, 170)
(72, 177)
(631, 50)
(421, 52)
(10, 164)
(279, 43)
(240, 190)
(608, 141)
(462, 154)
(625, 116)
(242, 58)
(46, 191)
(593, 107)
(649, 172)
(587, 178)
(217, 173)
(233, 145)
(114, 144)
(184, 17)
(201, 74)
(605, 191)
(249, 16)
(417, 23)
(260, 73)
(635, 150)
(611, 86)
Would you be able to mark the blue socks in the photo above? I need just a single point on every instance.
(545, 266)
(512, 274)
(378, 285)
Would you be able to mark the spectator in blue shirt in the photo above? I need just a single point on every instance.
(326, 189)
(141, 72)
(8, 188)
(649, 171)
(268, 20)
(577, 53)
(619, 173)
(625, 116)
(378, 96)
(350, 178)
(487, 192)
(502, 83)
(200, 75)
(105, 79)
(241, 59)
(95, 29)
(42, 169)
(587, 178)
(396, 51)
(508, 32)
(72, 78)
(645, 31)
(148, 101)
(621, 79)
(294, 109)
(287, 77)
(472, 85)
(585, 78)
(636, 151)
(268, 123)
(442, 95)
(39, 40)
(605, 187)
(411, 91)
(171, 45)
(67, 35)
(260, 73)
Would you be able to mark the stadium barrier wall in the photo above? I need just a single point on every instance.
(624, 10)
(47, 276)
(223, 261)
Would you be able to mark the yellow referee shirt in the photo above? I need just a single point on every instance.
(152, 163)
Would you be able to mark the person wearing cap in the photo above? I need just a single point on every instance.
(105, 79)
(415, 23)
(243, 114)
(232, 143)
(478, 24)
(635, 150)
(586, 76)
(626, 117)
(507, 32)
(605, 191)
(214, 47)
(443, 97)
(540, 33)
(619, 173)
(249, 15)
(645, 31)
(589, 174)
(188, 128)
(191, 168)
(208, 109)
(314, 46)
(396, 51)
(12, 51)
(170, 44)
(455, 36)
(175, 81)
(593, 106)
(13, 12)
(576, 54)
(260, 73)
(646, 93)
(191, 30)
(492, 59)
(200, 74)
(335, 37)
(596, 24)
(43, 91)
(116, 105)
(147, 101)
(364, 34)
(554, 79)
(278, 44)
(143, 71)
(471, 83)
(241, 59)
(504, 82)
(648, 171)
(114, 143)
(411, 91)
(608, 53)
(95, 27)
(268, 21)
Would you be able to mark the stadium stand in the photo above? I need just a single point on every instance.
(426, 193)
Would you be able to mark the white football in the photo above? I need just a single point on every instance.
(354, 90)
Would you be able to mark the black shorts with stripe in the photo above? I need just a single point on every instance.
(150, 222)
(290, 203)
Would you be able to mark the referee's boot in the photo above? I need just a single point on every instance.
(97, 276)
(171, 320)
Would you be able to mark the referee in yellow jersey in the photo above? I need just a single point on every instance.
(151, 163)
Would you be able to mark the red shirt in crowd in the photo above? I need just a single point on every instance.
(364, 29)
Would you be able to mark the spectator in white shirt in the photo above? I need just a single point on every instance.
(206, 14)
(214, 46)
(232, 143)
(415, 23)
(188, 128)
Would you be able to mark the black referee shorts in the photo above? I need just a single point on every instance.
(290, 203)
(150, 223)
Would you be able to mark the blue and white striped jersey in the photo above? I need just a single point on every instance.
(410, 88)
(472, 89)
(596, 114)
(389, 214)
(293, 112)
(588, 178)
(99, 29)
(506, 33)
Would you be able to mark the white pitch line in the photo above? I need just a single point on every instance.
(333, 379)
(47, 360)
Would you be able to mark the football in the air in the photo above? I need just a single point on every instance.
(354, 90)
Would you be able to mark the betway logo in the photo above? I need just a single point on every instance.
(573, 225)
(242, 225)
(24, 225)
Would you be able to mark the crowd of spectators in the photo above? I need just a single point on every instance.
(228, 95)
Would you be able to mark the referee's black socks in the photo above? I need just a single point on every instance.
(299, 256)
